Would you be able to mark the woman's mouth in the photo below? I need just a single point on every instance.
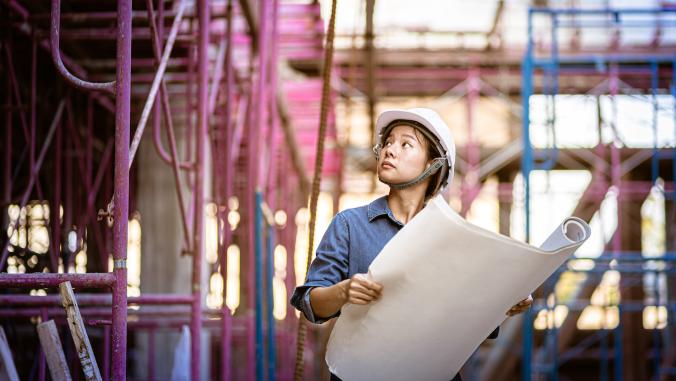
(387, 164)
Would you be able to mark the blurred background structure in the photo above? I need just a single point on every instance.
(158, 154)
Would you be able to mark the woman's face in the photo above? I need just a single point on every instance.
(403, 155)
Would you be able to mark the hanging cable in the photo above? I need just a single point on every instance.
(316, 180)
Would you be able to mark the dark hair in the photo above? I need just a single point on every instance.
(432, 153)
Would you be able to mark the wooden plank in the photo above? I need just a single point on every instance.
(51, 346)
(77, 330)
(7, 368)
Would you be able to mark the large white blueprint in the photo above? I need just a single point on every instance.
(446, 285)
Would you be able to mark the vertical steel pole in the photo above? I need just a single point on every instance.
(33, 102)
(269, 281)
(121, 192)
(260, 366)
(226, 325)
(54, 216)
(654, 83)
(201, 135)
(526, 165)
(7, 196)
(615, 175)
(252, 353)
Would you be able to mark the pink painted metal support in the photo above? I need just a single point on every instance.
(201, 136)
(158, 79)
(174, 160)
(43, 280)
(615, 175)
(96, 155)
(7, 179)
(470, 182)
(55, 218)
(33, 104)
(226, 321)
(95, 300)
(273, 120)
(121, 192)
(157, 36)
(56, 55)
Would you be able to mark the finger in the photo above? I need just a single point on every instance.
(361, 295)
(370, 287)
(361, 300)
(365, 290)
(357, 301)
(377, 286)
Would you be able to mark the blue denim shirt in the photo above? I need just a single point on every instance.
(351, 242)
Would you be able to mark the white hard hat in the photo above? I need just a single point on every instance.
(432, 122)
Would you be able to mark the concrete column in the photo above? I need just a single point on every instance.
(163, 268)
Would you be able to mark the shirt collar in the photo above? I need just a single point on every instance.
(378, 208)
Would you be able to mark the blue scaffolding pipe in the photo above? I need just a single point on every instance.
(271, 303)
(551, 67)
(595, 59)
(258, 274)
(600, 11)
(633, 306)
(604, 24)
(526, 162)
(628, 256)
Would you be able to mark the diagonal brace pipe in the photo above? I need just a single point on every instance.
(159, 75)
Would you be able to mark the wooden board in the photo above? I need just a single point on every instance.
(77, 330)
(51, 346)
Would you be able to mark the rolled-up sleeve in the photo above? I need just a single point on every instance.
(329, 267)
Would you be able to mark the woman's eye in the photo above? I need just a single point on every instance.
(407, 144)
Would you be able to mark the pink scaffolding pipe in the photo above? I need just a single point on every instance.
(261, 107)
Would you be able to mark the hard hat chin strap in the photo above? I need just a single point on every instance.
(437, 164)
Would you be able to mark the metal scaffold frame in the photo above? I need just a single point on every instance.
(550, 66)
(238, 132)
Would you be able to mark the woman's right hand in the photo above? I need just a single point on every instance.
(360, 290)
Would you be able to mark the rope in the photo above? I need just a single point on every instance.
(316, 180)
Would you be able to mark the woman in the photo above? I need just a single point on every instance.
(416, 155)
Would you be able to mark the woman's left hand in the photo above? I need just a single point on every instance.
(521, 307)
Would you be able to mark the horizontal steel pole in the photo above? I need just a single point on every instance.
(93, 299)
(106, 312)
(600, 11)
(40, 280)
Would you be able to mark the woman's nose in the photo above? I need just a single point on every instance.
(388, 151)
